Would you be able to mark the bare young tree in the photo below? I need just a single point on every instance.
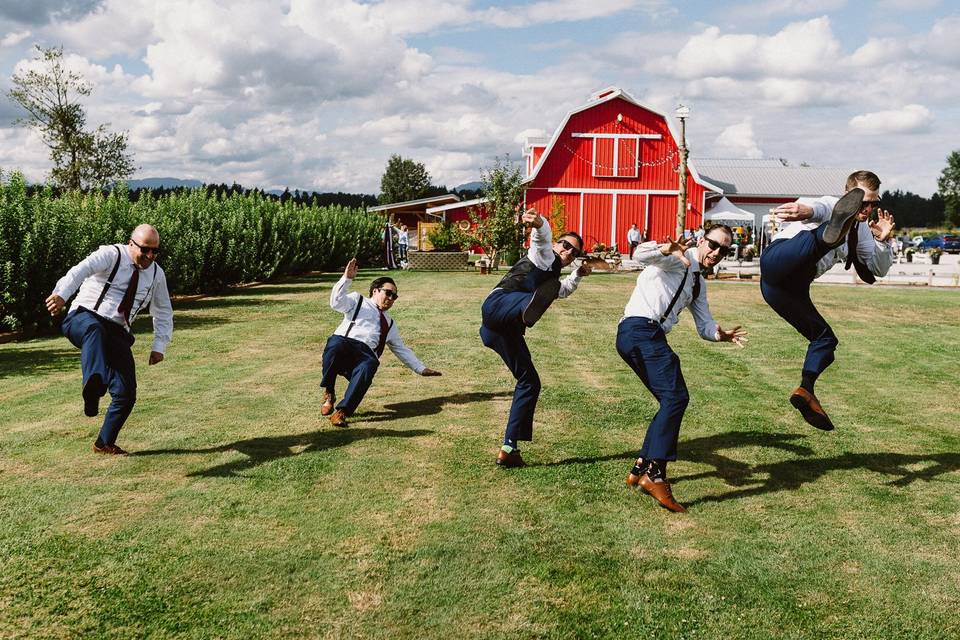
(50, 96)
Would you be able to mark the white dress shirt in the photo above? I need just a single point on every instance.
(367, 326)
(878, 256)
(91, 275)
(633, 235)
(542, 255)
(658, 283)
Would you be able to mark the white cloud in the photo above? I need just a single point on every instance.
(913, 118)
(775, 8)
(14, 38)
(737, 141)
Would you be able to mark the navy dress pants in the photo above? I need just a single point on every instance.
(787, 267)
(502, 330)
(353, 360)
(105, 351)
(642, 345)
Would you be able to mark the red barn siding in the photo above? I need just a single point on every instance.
(596, 218)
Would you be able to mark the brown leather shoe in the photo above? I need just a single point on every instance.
(660, 491)
(509, 460)
(109, 449)
(809, 407)
(327, 407)
(338, 419)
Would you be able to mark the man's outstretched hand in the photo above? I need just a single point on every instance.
(351, 270)
(677, 248)
(736, 335)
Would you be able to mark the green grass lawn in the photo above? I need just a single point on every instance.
(242, 513)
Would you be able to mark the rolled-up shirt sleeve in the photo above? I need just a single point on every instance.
(881, 259)
(706, 325)
(162, 312)
(340, 299)
(569, 284)
(541, 247)
(649, 253)
(402, 351)
(100, 260)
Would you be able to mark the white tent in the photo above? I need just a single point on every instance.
(726, 211)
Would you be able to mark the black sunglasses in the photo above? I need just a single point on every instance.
(716, 246)
(869, 204)
(569, 247)
(151, 250)
(390, 293)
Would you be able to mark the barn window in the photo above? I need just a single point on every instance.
(615, 156)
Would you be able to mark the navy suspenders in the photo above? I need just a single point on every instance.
(353, 320)
(146, 295)
(109, 282)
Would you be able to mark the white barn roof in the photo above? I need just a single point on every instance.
(769, 177)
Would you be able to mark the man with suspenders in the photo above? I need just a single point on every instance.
(354, 349)
(114, 283)
(670, 282)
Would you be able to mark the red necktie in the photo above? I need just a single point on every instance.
(126, 305)
(384, 329)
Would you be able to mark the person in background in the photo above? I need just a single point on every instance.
(403, 242)
(633, 237)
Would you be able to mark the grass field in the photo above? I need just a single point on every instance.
(242, 513)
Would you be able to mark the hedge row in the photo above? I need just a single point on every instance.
(208, 242)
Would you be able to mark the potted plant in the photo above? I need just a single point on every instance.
(935, 254)
(909, 253)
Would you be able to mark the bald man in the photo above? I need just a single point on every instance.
(114, 282)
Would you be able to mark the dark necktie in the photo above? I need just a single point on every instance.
(696, 285)
(852, 258)
(384, 329)
(126, 305)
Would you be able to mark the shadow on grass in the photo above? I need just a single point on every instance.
(427, 406)
(904, 469)
(38, 362)
(263, 450)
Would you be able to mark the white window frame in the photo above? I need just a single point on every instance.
(617, 137)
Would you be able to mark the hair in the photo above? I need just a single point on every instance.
(727, 230)
(572, 234)
(379, 282)
(866, 178)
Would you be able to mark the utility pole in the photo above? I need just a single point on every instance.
(682, 112)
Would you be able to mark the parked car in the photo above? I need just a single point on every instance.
(933, 242)
(951, 244)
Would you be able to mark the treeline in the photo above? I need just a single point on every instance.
(911, 210)
(209, 239)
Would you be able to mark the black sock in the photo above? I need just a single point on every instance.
(640, 467)
(807, 381)
(657, 470)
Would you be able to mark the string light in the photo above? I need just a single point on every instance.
(639, 163)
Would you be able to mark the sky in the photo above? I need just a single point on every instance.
(317, 94)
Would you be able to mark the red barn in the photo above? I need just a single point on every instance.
(613, 162)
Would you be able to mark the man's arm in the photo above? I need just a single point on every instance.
(707, 327)
(541, 240)
(405, 354)
(669, 256)
(340, 298)
(100, 260)
(162, 312)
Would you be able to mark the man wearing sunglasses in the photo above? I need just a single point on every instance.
(814, 235)
(115, 282)
(355, 348)
(515, 304)
(669, 282)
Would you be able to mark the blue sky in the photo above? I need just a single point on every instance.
(316, 94)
